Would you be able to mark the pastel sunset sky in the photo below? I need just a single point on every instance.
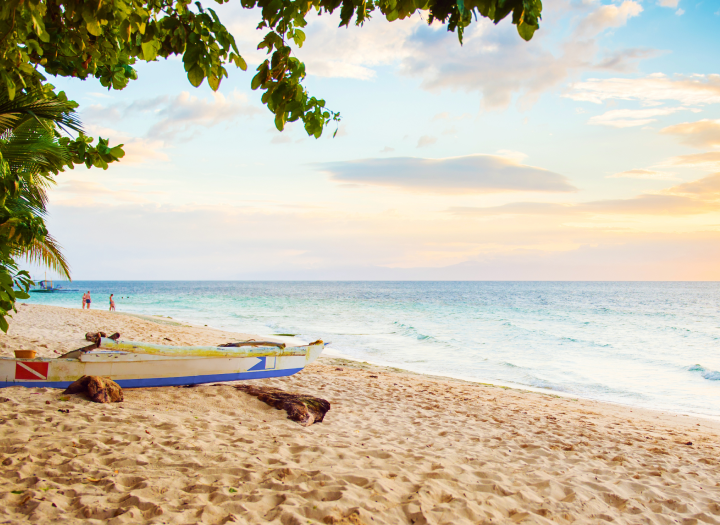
(591, 152)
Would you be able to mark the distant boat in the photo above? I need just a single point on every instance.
(137, 365)
(47, 287)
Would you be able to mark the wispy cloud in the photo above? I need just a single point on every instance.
(175, 117)
(186, 112)
(642, 174)
(709, 159)
(606, 17)
(628, 118)
(692, 90)
(454, 175)
(137, 150)
(426, 140)
(701, 134)
(690, 198)
(499, 65)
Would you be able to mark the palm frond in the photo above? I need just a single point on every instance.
(32, 107)
(46, 252)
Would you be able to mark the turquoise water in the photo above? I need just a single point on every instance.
(655, 345)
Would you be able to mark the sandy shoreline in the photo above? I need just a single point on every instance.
(396, 447)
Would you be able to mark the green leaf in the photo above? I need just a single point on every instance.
(4, 327)
(150, 50)
(280, 121)
(213, 82)
(299, 36)
(93, 27)
(526, 31)
(196, 75)
(257, 80)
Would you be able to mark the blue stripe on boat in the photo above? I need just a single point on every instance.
(164, 381)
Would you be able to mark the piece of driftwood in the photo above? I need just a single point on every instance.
(96, 336)
(99, 389)
(302, 408)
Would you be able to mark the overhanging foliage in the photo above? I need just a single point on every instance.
(105, 38)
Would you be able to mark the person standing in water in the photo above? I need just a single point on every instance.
(112, 303)
(83, 300)
(87, 300)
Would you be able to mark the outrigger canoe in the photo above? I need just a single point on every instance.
(138, 365)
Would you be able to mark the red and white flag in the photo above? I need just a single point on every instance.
(29, 371)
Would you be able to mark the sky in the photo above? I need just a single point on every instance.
(591, 152)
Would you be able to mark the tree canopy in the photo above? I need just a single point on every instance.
(106, 38)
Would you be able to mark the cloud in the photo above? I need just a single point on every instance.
(186, 112)
(707, 188)
(627, 118)
(608, 16)
(281, 138)
(426, 140)
(701, 134)
(499, 65)
(692, 90)
(680, 12)
(84, 193)
(137, 150)
(642, 205)
(517, 156)
(642, 174)
(353, 52)
(669, 3)
(689, 198)
(175, 117)
(710, 159)
(493, 60)
(387, 149)
(454, 175)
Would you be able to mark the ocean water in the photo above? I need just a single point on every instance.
(646, 344)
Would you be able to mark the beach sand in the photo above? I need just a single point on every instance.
(395, 448)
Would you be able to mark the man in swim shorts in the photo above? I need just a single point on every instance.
(87, 300)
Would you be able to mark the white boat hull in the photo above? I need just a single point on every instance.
(138, 370)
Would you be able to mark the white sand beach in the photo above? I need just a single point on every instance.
(395, 448)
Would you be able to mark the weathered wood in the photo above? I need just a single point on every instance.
(95, 337)
(99, 389)
(302, 408)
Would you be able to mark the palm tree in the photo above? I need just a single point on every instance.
(31, 153)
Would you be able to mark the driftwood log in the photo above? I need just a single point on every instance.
(304, 409)
(99, 389)
(95, 337)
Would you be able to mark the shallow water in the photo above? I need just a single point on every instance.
(655, 345)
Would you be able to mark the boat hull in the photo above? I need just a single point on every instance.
(131, 370)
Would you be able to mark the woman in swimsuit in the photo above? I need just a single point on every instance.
(112, 303)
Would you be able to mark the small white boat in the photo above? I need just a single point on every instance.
(138, 365)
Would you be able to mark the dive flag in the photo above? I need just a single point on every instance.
(31, 371)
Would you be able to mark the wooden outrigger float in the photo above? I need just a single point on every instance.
(138, 365)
